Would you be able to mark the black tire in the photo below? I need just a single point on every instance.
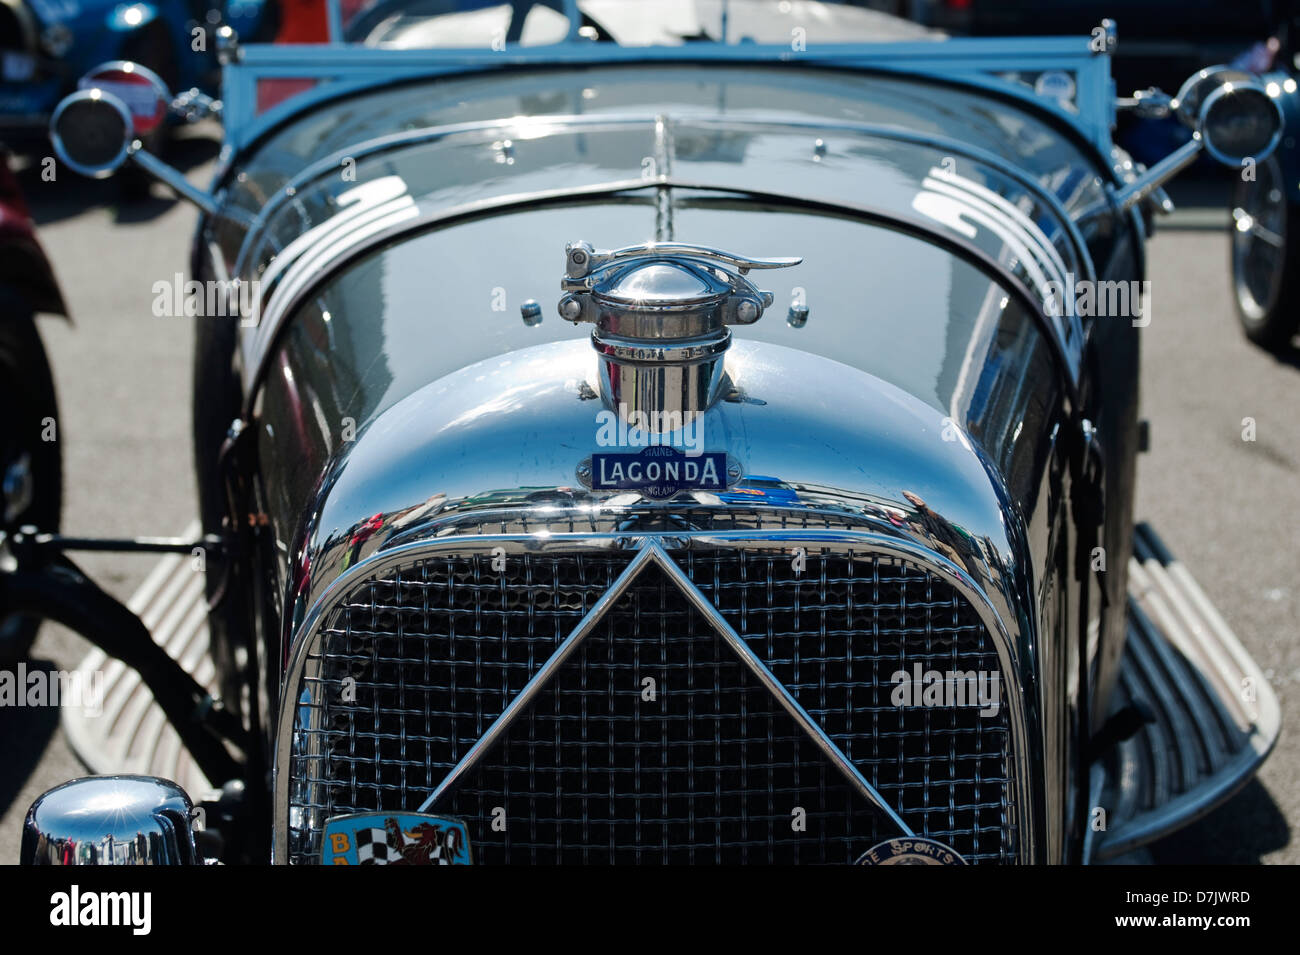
(27, 460)
(1265, 255)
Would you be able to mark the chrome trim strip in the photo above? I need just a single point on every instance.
(664, 227)
(450, 522)
(306, 634)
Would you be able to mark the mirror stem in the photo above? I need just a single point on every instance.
(1159, 174)
(177, 182)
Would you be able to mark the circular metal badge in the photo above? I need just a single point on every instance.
(910, 850)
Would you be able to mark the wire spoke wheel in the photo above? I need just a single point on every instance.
(1259, 241)
(1262, 250)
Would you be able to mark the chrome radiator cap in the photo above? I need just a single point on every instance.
(661, 312)
(110, 820)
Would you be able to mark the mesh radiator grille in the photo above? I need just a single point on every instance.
(703, 764)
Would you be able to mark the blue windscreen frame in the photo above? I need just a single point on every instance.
(340, 69)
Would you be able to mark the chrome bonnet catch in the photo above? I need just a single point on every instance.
(661, 312)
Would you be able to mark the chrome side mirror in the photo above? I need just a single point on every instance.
(110, 820)
(1232, 117)
(91, 133)
(98, 128)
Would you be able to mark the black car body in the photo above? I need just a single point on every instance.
(453, 552)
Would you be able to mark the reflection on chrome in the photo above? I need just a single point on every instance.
(110, 820)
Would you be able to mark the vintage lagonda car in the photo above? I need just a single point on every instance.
(661, 432)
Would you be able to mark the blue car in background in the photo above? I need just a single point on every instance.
(761, 489)
(46, 45)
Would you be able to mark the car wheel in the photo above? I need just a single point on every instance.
(30, 466)
(1265, 243)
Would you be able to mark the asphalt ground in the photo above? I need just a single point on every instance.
(1228, 507)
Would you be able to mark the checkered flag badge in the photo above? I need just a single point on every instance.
(446, 849)
(372, 847)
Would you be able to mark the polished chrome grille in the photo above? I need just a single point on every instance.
(711, 769)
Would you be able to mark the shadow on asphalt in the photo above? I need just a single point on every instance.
(1239, 832)
(71, 194)
(1288, 355)
(25, 731)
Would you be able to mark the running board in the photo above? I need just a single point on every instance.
(129, 733)
(1216, 717)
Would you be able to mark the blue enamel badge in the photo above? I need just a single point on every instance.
(388, 838)
(659, 471)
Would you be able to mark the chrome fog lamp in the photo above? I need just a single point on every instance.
(110, 820)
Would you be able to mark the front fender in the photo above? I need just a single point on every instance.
(23, 266)
(23, 263)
